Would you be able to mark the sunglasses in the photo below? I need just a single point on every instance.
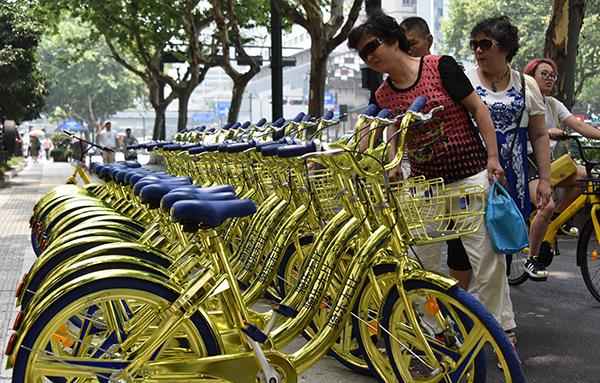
(483, 44)
(548, 75)
(369, 48)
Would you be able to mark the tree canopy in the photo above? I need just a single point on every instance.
(85, 81)
(22, 84)
(328, 28)
(532, 19)
(141, 34)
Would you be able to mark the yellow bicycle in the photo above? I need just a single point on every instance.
(130, 325)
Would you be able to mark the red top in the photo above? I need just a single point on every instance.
(448, 146)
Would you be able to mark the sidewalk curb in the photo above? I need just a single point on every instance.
(12, 173)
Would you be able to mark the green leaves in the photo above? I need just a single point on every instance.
(532, 18)
(22, 85)
(86, 82)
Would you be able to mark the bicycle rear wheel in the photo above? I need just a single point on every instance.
(113, 316)
(459, 343)
(588, 257)
(515, 268)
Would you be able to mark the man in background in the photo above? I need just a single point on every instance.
(129, 139)
(418, 35)
(107, 138)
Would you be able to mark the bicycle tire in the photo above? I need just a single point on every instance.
(589, 260)
(291, 265)
(198, 332)
(43, 273)
(515, 268)
(469, 314)
(346, 349)
(365, 317)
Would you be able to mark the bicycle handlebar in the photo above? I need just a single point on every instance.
(87, 142)
(588, 163)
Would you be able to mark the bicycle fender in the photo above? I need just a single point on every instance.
(440, 280)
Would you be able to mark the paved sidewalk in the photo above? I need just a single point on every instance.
(17, 198)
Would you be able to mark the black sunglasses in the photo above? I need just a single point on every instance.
(369, 48)
(483, 44)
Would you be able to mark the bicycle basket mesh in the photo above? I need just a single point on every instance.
(434, 212)
(324, 188)
(264, 178)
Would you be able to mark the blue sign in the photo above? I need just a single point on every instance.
(202, 117)
(329, 98)
(222, 108)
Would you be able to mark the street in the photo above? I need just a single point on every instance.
(559, 321)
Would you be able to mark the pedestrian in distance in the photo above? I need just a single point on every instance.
(34, 147)
(107, 138)
(47, 146)
(129, 139)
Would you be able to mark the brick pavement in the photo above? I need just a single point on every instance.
(17, 198)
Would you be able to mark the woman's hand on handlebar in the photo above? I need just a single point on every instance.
(395, 174)
(556, 134)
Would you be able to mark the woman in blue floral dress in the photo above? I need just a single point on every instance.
(519, 116)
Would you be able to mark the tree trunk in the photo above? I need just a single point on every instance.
(562, 40)
(239, 86)
(159, 122)
(318, 76)
(182, 116)
(159, 104)
(237, 95)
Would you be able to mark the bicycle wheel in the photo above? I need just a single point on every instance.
(588, 258)
(109, 311)
(346, 349)
(290, 266)
(105, 260)
(365, 321)
(515, 267)
(459, 343)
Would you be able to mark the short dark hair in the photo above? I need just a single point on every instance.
(381, 26)
(501, 29)
(416, 22)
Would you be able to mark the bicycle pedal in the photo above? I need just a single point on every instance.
(286, 311)
(254, 333)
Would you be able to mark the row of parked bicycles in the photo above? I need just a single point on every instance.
(155, 276)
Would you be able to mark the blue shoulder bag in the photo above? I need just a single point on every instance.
(505, 224)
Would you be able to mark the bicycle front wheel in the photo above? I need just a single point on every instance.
(458, 342)
(588, 257)
(92, 329)
(515, 268)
